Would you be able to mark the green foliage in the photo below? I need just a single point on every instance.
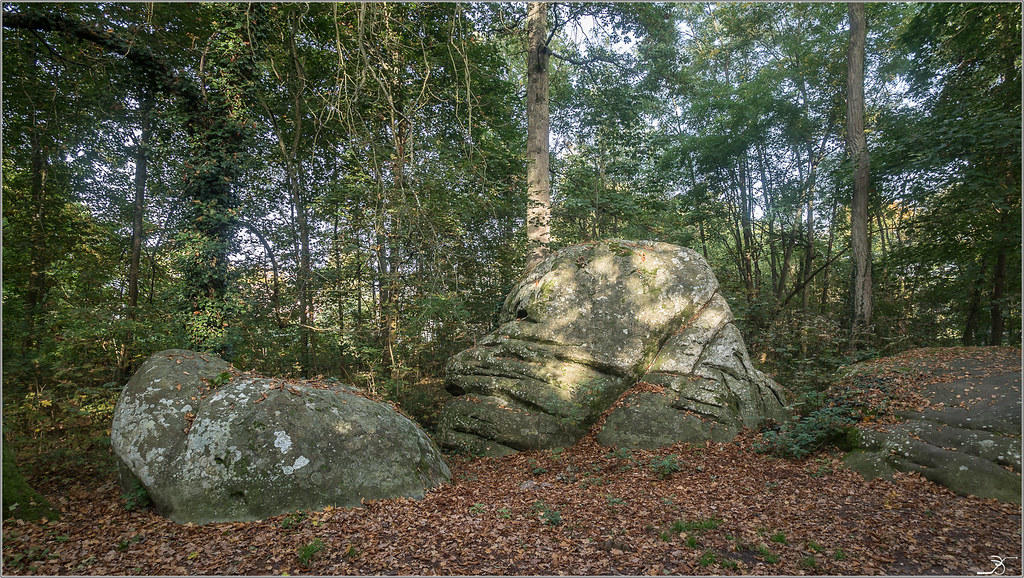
(124, 545)
(808, 434)
(28, 559)
(708, 558)
(310, 550)
(291, 194)
(136, 498)
(19, 499)
(548, 516)
(766, 554)
(294, 520)
(665, 467)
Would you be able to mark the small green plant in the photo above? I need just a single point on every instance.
(351, 552)
(779, 537)
(504, 513)
(814, 546)
(309, 550)
(691, 541)
(623, 457)
(806, 435)
(477, 509)
(613, 501)
(707, 559)
(730, 564)
(28, 559)
(222, 378)
(136, 498)
(696, 525)
(293, 520)
(808, 562)
(548, 515)
(767, 554)
(122, 546)
(665, 467)
(536, 468)
(839, 555)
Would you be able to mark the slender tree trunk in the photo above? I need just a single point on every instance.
(703, 239)
(141, 174)
(860, 239)
(37, 281)
(809, 256)
(747, 257)
(973, 310)
(787, 254)
(828, 254)
(998, 288)
(538, 118)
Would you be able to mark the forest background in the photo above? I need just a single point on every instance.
(339, 189)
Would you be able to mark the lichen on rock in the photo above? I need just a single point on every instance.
(585, 325)
(255, 447)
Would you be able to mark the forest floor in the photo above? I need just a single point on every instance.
(582, 511)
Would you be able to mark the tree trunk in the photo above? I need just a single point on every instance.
(973, 310)
(809, 255)
(860, 240)
(139, 209)
(538, 119)
(828, 254)
(998, 288)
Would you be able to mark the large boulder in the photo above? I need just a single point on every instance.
(583, 327)
(209, 444)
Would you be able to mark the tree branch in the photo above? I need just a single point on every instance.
(144, 62)
(587, 62)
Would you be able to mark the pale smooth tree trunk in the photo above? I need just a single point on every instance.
(860, 241)
(538, 120)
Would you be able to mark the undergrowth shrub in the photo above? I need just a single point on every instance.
(309, 550)
(665, 467)
(805, 435)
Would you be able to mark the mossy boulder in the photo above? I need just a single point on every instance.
(584, 326)
(211, 445)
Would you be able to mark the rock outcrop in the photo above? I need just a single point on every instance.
(583, 327)
(968, 439)
(211, 445)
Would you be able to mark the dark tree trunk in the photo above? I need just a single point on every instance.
(124, 365)
(998, 288)
(973, 312)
